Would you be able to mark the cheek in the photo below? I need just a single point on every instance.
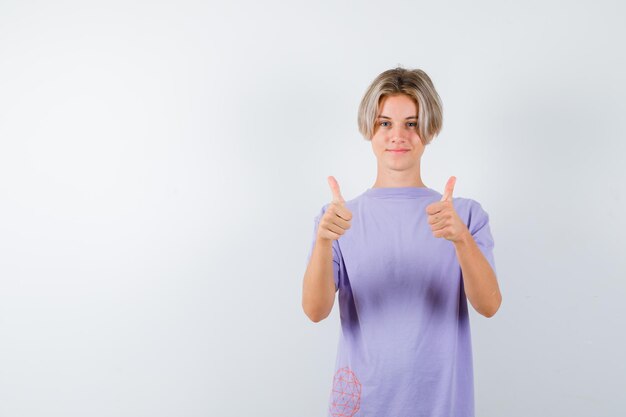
(377, 144)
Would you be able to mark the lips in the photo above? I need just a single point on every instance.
(398, 150)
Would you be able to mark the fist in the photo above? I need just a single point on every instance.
(337, 217)
(443, 218)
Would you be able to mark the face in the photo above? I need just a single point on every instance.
(396, 128)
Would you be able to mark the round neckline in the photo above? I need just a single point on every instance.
(405, 192)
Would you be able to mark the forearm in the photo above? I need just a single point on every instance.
(479, 279)
(318, 288)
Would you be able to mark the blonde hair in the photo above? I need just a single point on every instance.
(416, 84)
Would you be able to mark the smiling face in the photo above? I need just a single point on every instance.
(396, 129)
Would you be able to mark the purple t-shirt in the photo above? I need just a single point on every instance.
(405, 346)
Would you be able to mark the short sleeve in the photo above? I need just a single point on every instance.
(478, 225)
(336, 256)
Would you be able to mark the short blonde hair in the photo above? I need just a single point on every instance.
(416, 84)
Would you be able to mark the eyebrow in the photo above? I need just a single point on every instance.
(385, 117)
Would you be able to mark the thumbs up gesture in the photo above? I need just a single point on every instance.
(443, 218)
(337, 217)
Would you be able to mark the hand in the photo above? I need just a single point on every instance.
(336, 219)
(443, 219)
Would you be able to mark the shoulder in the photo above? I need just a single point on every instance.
(473, 214)
(471, 211)
(468, 204)
(350, 204)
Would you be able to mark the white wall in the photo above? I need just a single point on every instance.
(161, 164)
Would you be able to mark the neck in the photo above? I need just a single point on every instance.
(379, 184)
(398, 179)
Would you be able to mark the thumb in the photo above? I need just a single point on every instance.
(334, 187)
(447, 195)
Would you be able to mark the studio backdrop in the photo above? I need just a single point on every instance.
(162, 163)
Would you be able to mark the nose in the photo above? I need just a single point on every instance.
(398, 134)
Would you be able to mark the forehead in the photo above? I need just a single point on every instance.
(399, 105)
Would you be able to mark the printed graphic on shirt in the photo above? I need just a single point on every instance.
(346, 394)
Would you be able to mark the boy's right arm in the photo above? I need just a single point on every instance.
(318, 288)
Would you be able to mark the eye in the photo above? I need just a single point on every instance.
(381, 123)
(412, 124)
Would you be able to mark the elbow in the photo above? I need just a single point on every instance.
(489, 314)
(313, 315)
(316, 318)
(493, 310)
(317, 310)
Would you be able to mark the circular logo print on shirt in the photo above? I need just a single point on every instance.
(346, 395)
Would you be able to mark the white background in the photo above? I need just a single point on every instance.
(161, 164)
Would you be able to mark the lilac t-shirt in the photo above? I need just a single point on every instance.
(405, 347)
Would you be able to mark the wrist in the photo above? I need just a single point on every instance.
(324, 241)
(465, 239)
